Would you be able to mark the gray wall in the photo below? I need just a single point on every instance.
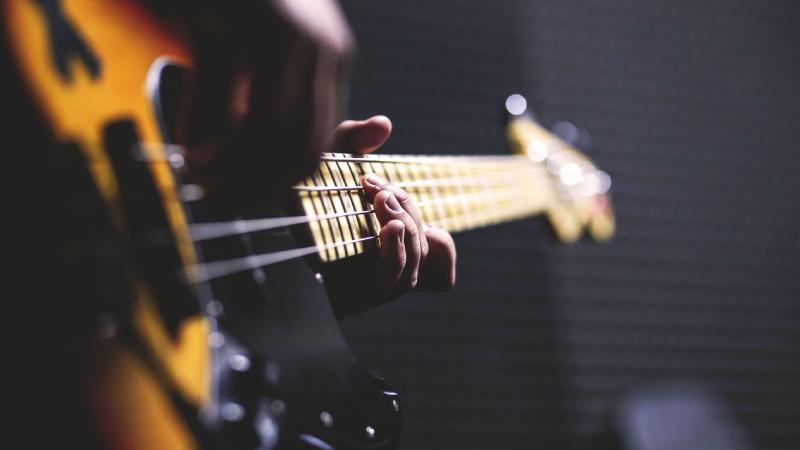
(693, 108)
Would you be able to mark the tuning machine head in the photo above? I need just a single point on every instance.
(573, 135)
(579, 197)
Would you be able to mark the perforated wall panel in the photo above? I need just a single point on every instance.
(693, 108)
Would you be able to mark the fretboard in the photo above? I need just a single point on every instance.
(451, 192)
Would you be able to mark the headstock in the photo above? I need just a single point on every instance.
(580, 191)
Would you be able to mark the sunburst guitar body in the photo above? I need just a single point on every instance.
(92, 69)
(153, 363)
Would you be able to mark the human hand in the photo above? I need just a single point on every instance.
(412, 254)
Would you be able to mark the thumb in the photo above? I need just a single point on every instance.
(361, 136)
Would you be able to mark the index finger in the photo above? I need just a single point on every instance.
(373, 184)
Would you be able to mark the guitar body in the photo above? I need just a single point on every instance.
(86, 80)
(136, 333)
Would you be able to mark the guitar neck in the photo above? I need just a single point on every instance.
(455, 193)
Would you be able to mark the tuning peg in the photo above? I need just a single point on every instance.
(573, 134)
(517, 106)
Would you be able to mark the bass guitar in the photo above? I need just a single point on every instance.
(187, 331)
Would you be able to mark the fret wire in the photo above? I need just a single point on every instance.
(364, 223)
(328, 188)
(442, 171)
(322, 204)
(492, 206)
(325, 231)
(477, 190)
(502, 215)
(350, 203)
(433, 193)
(443, 190)
(435, 174)
(453, 181)
(334, 199)
(378, 171)
(391, 171)
(466, 204)
(333, 225)
(346, 177)
(471, 198)
(450, 209)
(499, 213)
(332, 202)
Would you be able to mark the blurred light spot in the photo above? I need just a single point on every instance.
(232, 412)
(176, 160)
(216, 339)
(537, 151)
(192, 192)
(555, 161)
(516, 104)
(239, 363)
(566, 131)
(603, 182)
(570, 174)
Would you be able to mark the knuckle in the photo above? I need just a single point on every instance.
(425, 249)
(400, 193)
(382, 197)
(412, 233)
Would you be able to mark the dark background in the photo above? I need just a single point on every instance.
(693, 107)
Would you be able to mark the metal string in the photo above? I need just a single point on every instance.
(216, 269)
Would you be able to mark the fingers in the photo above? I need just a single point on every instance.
(410, 252)
(373, 185)
(438, 270)
(393, 255)
(361, 136)
(388, 209)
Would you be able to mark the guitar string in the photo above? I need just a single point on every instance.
(211, 270)
(216, 269)
(174, 154)
(479, 180)
(204, 231)
(447, 161)
(213, 230)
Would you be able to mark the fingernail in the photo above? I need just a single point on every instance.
(375, 180)
(393, 204)
(401, 236)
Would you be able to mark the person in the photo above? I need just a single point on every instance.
(270, 82)
(264, 100)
